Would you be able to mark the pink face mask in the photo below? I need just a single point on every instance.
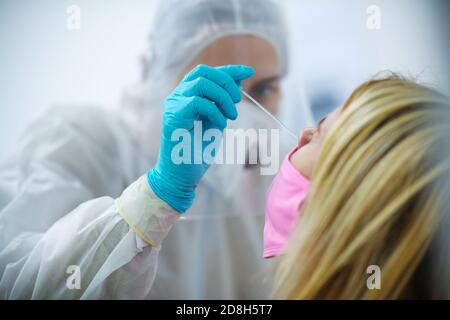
(283, 200)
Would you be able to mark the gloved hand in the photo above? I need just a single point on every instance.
(206, 94)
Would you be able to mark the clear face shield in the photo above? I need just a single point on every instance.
(253, 144)
(223, 228)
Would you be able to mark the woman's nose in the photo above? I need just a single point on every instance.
(306, 136)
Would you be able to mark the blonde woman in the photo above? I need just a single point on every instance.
(377, 197)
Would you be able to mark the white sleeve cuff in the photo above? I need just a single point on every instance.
(146, 214)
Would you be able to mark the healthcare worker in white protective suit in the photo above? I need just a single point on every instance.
(78, 217)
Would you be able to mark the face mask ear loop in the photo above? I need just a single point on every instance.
(281, 124)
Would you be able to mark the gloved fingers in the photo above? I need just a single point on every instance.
(237, 72)
(205, 88)
(196, 106)
(217, 76)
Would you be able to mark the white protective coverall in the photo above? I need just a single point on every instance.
(74, 200)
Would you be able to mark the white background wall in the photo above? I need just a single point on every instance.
(334, 51)
(43, 63)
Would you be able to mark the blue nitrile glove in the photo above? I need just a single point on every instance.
(206, 94)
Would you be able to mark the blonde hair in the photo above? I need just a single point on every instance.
(376, 197)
